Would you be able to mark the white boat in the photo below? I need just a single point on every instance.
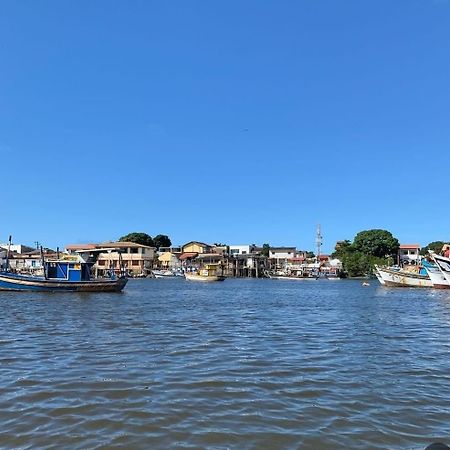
(290, 277)
(437, 278)
(402, 278)
(378, 275)
(163, 274)
(444, 265)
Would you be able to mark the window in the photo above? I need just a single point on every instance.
(134, 249)
(101, 262)
(244, 252)
(135, 263)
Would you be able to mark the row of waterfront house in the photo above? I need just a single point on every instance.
(236, 260)
(140, 260)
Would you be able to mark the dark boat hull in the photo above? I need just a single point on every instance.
(13, 282)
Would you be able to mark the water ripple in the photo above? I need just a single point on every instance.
(242, 364)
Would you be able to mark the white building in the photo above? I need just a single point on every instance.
(17, 248)
(241, 249)
(409, 253)
(282, 253)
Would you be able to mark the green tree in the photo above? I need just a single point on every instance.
(379, 243)
(138, 238)
(265, 250)
(435, 246)
(162, 240)
(341, 248)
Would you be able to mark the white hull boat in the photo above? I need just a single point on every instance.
(378, 275)
(163, 274)
(291, 278)
(401, 278)
(444, 265)
(437, 278)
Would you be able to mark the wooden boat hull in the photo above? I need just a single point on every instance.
(203, 278)
(14, 282)
(399, 278)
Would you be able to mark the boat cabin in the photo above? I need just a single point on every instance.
(67, 270)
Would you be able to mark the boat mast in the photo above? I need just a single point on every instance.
(43, 263)
(7, 254)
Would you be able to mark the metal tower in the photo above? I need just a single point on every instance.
(318, 242)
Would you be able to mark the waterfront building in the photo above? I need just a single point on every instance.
(242, 249)
(137, 259)
(279, 256)
(2, 259)
(169, 261)
(409, 254)
(17, 248)
(196, 247)
(28, 262)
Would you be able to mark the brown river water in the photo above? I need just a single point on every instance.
(243, 364)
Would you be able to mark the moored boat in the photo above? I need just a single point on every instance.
(290, 277)
(436, 275)
(163, 274)
(68, 274)
(206, 274)
(378, 275)
(444, 265)
(15, 282)
(403, 278)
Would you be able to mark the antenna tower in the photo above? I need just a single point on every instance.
(318, 242)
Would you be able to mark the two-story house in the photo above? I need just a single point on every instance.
(409, 254)
(137, 259)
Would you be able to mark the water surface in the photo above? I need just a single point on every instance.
(245, 364)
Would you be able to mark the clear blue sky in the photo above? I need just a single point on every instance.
(233, 121)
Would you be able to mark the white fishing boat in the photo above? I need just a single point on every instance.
(444, 265)
(403, 278)
(437, 278)
(291, 277)
(163, 274)
(378, 275)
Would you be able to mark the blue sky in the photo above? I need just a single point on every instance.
(237, 121)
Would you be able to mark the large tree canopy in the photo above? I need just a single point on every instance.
(435, 246)
(162, 240)
(138, 238)
(379, 243)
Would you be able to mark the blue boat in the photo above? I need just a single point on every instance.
(69, 274)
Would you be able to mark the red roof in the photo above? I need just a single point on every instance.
(410, 246)
(80, 246)
(188, 255)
